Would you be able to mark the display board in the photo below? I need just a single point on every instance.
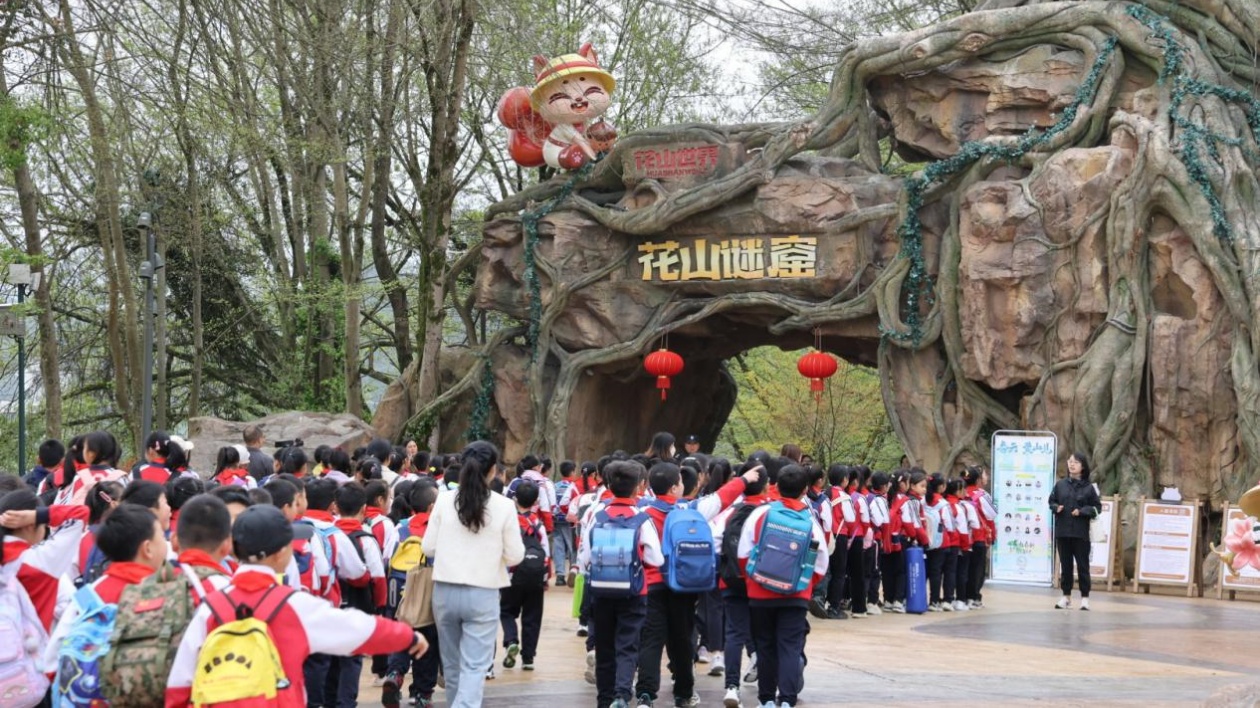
(1167, 542)
(1102, 547)
(1248, 578)
(1023, 476)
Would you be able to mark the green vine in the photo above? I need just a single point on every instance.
(530, 220)
(477, 429)
(1194, 140)
(918, 286)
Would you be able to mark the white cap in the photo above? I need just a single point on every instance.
(186, 444)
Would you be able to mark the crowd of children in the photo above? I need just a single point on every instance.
(680, 557)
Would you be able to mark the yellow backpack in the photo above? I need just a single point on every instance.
(239, 660)
(411, 583)
(408, 555)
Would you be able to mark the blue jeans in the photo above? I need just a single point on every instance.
(349, 669)
(563, 548)
(315, 673)
(738, 635)
(467, 625)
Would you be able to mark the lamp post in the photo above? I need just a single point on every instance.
(21, 276)
(148, 272)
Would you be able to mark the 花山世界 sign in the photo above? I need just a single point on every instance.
(736, 258)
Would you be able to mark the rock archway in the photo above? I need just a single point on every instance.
(1074, 248)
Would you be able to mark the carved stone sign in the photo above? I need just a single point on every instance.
(672, 162)
(735, 258)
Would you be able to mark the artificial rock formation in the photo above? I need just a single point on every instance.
(1071, 249)
(343, 430)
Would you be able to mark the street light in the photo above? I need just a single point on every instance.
(14, 324)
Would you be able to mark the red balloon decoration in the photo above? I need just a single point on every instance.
(817, 366)
(663, 364)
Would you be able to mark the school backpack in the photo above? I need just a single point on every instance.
(152, 617)
(782, 560)
(531, 572)
(935, 527)
(411, 582)
(729, 568)
(616, 566)
(93, 567)
(687, 543)
(359, 598)
(80, 680)
(562, 488)
(304, 558)
(325, 535)
(22, 641)
(239, 660)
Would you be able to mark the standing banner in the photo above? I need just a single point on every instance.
(1248, 578)
(1167, 538)
(1023, 476)
(1101, 543)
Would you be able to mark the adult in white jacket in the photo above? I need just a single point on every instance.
(473, 537)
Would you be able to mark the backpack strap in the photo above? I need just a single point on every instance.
(222, 608)
(272, 602)
(194, 580)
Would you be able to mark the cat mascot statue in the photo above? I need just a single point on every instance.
(557, 121)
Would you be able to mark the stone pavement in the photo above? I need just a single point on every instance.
(1138, 650)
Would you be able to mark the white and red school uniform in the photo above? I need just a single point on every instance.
(344, 564)
(942, 510)
(892, 539)
(914, 521)
(649, 540)
(708, 506)
(962, 531)
(236, 477)
(547, 504)
(880, 519)
(84, 479)
(862, 526)
(44, 564)
(843, 515)
(373, 558)
(304, 625)
(986, 514)
(751, 534)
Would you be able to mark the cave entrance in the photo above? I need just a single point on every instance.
(846, 423)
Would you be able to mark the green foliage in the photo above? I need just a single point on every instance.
(20, 126)
(530, 221)
(480, 416)
(775, 406)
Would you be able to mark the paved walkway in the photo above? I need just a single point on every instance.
(1138, 650)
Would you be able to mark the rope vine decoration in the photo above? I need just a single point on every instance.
(529, 220)
(1194, 139)
(477, 429)
(918, 286)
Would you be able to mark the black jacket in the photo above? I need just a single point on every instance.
(1073, 494)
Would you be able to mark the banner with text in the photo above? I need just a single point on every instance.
(1023, 476)
(1166, 546)
(1101, 559)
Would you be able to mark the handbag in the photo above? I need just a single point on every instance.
(416, 607)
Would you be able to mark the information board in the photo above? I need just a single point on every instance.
(1166, 544)
(1248, 578)
(1023, 476)
(1102, 530)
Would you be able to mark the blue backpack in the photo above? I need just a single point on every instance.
(325, 535)
(80, 655)
(782, 561)
(616, 565)
(687, 543)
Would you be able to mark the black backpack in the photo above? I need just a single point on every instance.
(728, 567)
(532, 570)
(358, 598)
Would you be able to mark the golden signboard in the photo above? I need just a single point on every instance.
(738, 258)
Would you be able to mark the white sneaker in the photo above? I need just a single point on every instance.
(490, 674)
(590, 667)
(961, 606)
(873, 610)
(899, 607)
(889, 606)
(703, 656)
(934, 607)
(1084, 603)
(732, 699)
(769, 704)
(947, 606)
(750, 676)
(1064, 603)
(718, 667)
(977, 605)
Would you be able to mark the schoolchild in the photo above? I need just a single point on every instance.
(881, 526)
(421, 497)
(965, 523)
(892, 562)
(298, 624)
(618, 611)
(44, 542)
(780, 583)
(984, 536)
(845, 525)
(671, 615)
(942, 553)
(856, 562)
(733, 584)
(523, 598)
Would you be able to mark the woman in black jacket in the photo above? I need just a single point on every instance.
(1074, 503)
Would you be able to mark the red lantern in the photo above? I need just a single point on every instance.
(817, 366)
(663, 364)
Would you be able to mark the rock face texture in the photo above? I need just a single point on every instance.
(314, 429)
(814, 246)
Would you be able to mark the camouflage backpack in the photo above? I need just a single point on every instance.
(152, 617)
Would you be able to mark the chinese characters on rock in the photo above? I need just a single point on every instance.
(730, 259)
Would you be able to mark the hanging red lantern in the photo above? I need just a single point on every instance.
(817, 366)
(663, 364)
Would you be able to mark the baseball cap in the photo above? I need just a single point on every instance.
(260, 531)
(692, 439)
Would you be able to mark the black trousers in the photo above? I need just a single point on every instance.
(837, 569)
(962, 573)
(872, 574)
(618, 623)
(424, 671)
(1074, 551)
(935, 560)
(978, 570)
(711, 620)
(893, 569)
(779, 634)
(950, 573)
(738, 636)
(670, 621)
(857, 577)
(527, 604)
